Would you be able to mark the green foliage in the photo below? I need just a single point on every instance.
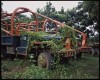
(23, 18)
(93, 12)
(34, 37)
(39, 37)
(83, 15)
(53, 47)
(21, 69)
(68, 32)
(54, 44)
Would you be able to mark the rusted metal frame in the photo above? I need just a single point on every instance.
(83, 37)
(57, 22)
(44, 24)
(36, 19)
(6, 31)
(17, 25)
(17, 28)
(24, 28)
(6, 25)
(46, 20)
(83, 34)
(10, 14)
(27, 10)
(62, 25)
(20, 24)
(16, 19)
(51, 19)
(31, 23)
(15, 12)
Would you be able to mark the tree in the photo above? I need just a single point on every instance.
(92, 7)
(23, 18)
(85, 15)
(48, 9)
(53, 9)
(39, 10)
(62, 10)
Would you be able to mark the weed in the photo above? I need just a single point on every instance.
(85, 68)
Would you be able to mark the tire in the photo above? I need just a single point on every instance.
(45, 60)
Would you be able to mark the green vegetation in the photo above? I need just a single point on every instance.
(54, 44)
(80, 17)
(85, 68)
(85, 14)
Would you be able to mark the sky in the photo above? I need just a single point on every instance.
(9, 6)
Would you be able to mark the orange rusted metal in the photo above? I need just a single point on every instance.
(68, 46)
(28, 26)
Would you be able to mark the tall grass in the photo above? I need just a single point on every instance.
(85, 68)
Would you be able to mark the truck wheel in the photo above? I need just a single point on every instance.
(45, 60)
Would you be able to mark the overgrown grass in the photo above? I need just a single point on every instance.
(85, 68)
